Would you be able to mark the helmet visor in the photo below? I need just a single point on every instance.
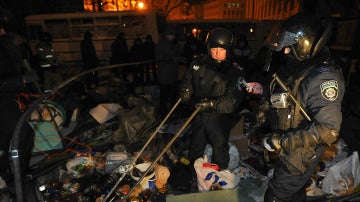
(280, 38)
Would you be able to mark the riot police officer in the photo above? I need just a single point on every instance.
(309, 121)
(210, 82)
(47, 62)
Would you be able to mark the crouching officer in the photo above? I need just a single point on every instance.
(309, 113)
(210, 82)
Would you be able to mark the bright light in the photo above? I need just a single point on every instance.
(251, 30)
(42, 188)
(306, 42)
(194, 32)
(140, 5)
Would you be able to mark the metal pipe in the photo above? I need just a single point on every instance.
(163, 151)
(142, 150)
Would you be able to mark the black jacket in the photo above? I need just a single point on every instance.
(215, 81)
(88, 54)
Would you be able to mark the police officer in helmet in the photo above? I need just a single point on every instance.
(48, 62)
(318, 89)
(210, 82)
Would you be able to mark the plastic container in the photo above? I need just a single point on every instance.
(149, 181)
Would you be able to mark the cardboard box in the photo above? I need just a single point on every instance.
(104, 112)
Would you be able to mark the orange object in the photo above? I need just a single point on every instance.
(162, 174)
(211, 165)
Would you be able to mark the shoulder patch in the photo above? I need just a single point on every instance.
(329, 90)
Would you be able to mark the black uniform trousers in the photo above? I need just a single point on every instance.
(168, 95)
(214, 128)
(288, 187)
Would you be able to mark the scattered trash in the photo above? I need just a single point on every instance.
(343, 177)
(104, 112)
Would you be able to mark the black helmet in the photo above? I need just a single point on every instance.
(304, 33)
(219, 37)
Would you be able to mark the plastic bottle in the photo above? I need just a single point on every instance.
(172, 157)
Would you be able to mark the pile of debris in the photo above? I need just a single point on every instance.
(97, 149)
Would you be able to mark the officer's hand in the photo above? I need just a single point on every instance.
(205, 104)
(185, 94)
(254, 88)
(30, 76)
(272, 143)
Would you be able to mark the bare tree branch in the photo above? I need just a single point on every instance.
(177, 4)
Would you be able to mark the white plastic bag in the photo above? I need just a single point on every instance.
(208, 176)
(336, 178)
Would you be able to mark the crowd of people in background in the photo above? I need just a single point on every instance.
(144, 72)
(146, 65)
(167, 53)
(89, 59)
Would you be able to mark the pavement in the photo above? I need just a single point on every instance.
(248, 190)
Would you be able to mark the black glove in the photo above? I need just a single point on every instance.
(30, 76)
(185, 94)
(302, 139)
(272, 143)
(205, 104)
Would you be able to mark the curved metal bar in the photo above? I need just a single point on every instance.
(142, 150)
(152, 165)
